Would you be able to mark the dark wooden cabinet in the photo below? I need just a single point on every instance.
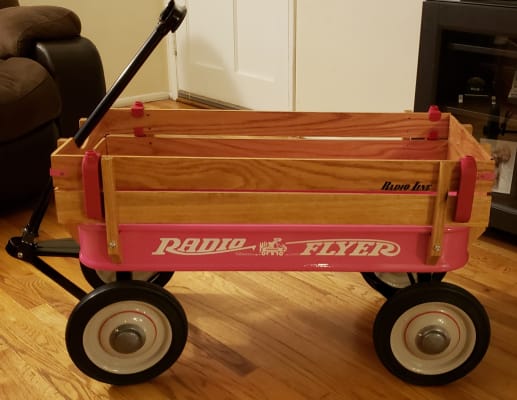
(467, 65)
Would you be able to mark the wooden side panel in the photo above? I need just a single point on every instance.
(67, 160)
(68, 171)
(210, 122)
(70, 209)
(462, 143)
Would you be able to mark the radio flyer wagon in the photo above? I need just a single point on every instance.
(397, 197)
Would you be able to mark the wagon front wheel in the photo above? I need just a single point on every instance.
(431, 333)
(126, 332)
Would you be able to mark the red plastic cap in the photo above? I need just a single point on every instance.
(434, 114)
(137, 109)
(139, 132)
(433, 135)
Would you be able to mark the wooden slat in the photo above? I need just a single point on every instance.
(101, 146)
(171, 173)
(293, 208)
(70, 209)
(284, 148)
(180, 173)
(270, 208)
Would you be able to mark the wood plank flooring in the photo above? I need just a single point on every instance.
(253, 335)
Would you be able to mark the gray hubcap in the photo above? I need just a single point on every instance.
(432, 340)
(127, 339)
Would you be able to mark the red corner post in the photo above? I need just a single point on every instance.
(466, 190)
(92, 185)
(137, 111)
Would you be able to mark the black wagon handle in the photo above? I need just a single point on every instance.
(170, 20)
(25, 247)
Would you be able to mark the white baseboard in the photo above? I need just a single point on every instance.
(129, 101)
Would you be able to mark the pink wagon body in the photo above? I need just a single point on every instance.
(160, 247)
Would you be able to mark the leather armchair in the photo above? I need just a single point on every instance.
(50, 77)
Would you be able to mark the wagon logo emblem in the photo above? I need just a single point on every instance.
(315, 247)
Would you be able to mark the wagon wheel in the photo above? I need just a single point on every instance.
(97, 278)
(388, 283)
(126, 332)
(431, 333)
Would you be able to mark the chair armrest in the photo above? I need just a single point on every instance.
(76, 67)
(8, 3)
(21, 27)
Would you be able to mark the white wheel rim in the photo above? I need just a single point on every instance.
(398, 280)
(433, 338)
(154, 334)
(111, 276)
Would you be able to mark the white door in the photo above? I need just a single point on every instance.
(238, 52)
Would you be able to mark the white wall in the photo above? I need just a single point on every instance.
(351, 55)
(118, 28)
(357, 55)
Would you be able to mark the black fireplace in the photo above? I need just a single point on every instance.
(467, 66)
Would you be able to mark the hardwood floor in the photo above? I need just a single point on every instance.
(255, 335)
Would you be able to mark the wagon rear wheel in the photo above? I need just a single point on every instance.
(389, 283)
(97, 278)
(431, 333)
(126, 332)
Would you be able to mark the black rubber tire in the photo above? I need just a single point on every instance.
(108, 295)
(418, 294)
(388, 290)
(95, 280)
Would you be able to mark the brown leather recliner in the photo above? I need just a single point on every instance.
(50, 77)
